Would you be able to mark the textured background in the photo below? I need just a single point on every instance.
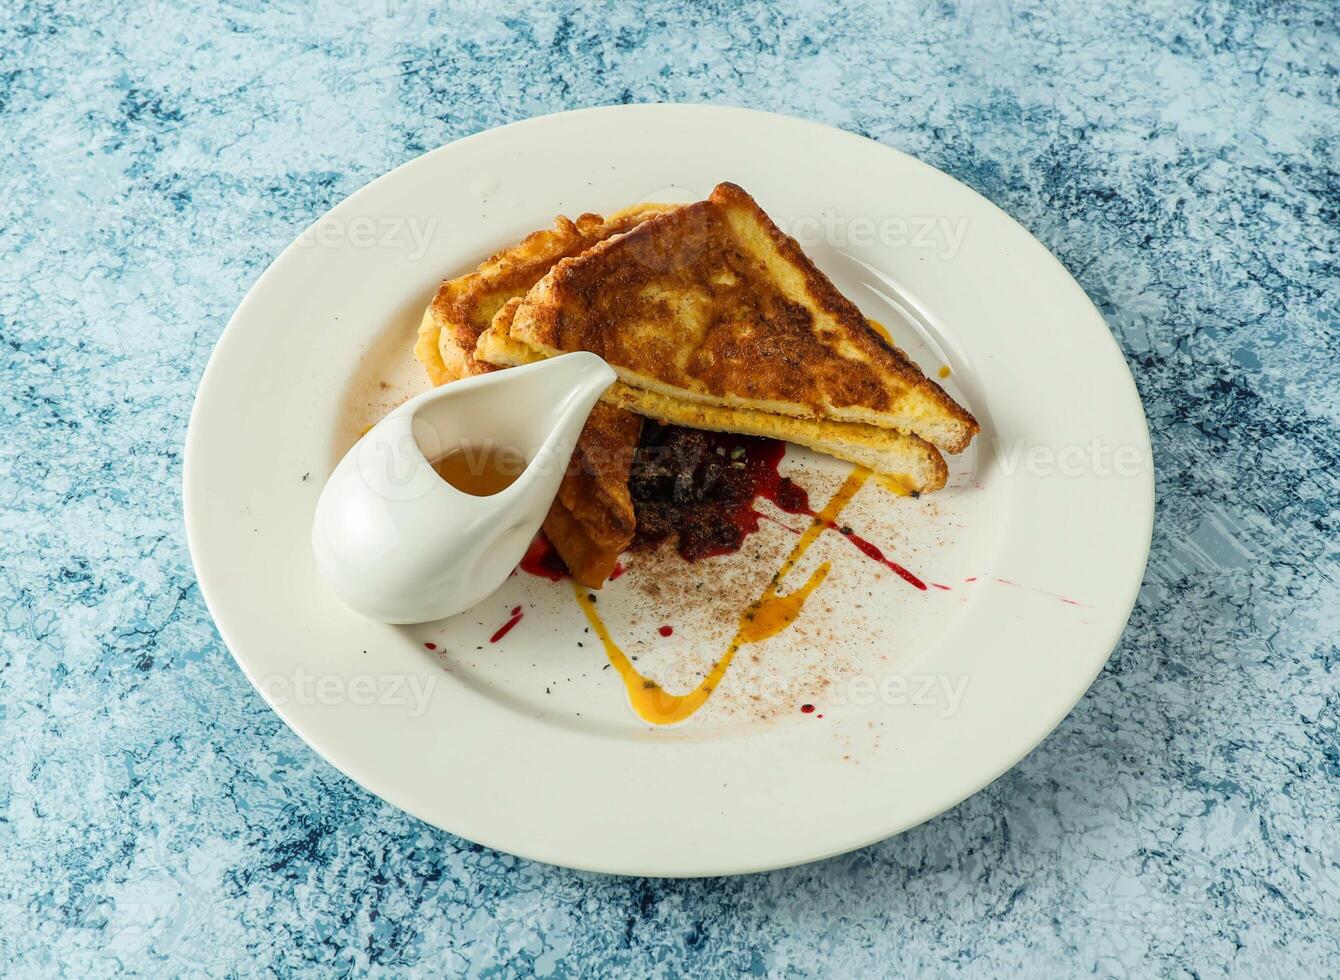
(1180, 159)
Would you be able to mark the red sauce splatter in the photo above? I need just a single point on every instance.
(807, 708)
(1055, 595)
(430, 646)
(506, 627)
(666, 630)
(543, 560)
(783, 526)
(871, 550)
(618, 570)
(942, 587)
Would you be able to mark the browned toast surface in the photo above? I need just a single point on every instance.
(465, 306)
(711, 302)
(592, 519)
(910, 460)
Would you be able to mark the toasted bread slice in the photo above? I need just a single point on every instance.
(464, 307)
(910, 460)
(592, 519)
(711, 303)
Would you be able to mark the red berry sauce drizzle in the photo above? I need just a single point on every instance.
(506, 627)
(542, 560)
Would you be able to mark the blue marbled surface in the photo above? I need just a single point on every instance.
(1179, 157)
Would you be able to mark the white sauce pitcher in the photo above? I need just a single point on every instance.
(398, 543)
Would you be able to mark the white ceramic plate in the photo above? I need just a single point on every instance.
(529, 745)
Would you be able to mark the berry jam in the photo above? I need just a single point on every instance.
(699, 488)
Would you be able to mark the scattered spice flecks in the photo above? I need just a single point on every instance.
(506, 627)
(872, 551)
(783, 526)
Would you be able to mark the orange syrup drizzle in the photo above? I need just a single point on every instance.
(883, 331)
(880, 329)
(898, 486)
(765, 617)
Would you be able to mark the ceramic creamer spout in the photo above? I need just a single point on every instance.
(398, 543)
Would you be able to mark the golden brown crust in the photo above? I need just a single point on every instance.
(596, 491)
(711, 301)
(590, 562)
(464, 307)
(592, 520)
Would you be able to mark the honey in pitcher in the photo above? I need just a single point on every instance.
(481, 471)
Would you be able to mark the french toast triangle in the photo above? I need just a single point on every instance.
(714, 318)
